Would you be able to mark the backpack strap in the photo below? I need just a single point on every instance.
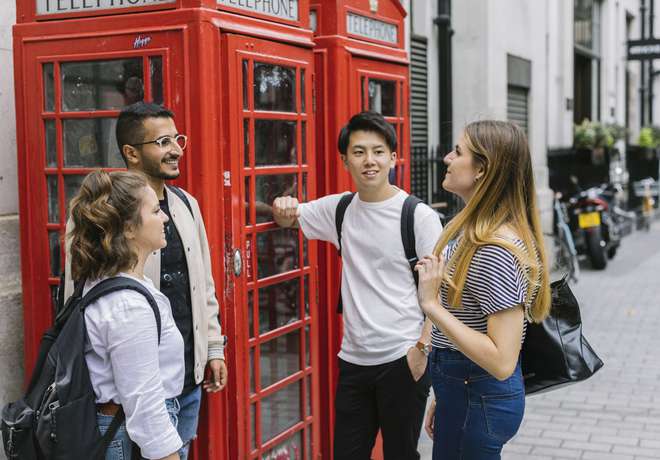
(339, 214)
(109, 435)
(408, 233)
(178, 192)
(339, 221)
(119, 283)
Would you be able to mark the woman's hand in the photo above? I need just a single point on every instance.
(429, 421)
(429, 269)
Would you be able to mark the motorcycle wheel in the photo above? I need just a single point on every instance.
(597, 252)
(611, 252)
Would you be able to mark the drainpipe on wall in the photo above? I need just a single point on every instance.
(445, 32)
(652, 72)
(642, 63)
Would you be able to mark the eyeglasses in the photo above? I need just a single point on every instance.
(165, 142)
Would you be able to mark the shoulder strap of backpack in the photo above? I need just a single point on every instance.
(339, 221)
(408, 232)
(339, 215)
(119, 283)
(109, 435)
(178, 192)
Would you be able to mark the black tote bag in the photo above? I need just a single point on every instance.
(555, 353)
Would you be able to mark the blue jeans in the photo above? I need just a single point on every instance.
(121, 446)
(189, 404)
(475, 414)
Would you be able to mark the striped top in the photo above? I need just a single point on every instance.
(495, 282)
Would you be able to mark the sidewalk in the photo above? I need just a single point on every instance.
(616, 414)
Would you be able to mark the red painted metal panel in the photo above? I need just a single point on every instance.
(242, 52)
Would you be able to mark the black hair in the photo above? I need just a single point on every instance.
(370, 122)
(130, 126)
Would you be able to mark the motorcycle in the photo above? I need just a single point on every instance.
(595, 230)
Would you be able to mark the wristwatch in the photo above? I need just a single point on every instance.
(423, 347)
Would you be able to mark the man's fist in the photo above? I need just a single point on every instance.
(285, 211)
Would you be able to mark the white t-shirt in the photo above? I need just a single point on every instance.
(382, 316)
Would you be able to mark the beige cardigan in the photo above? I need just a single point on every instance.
(207, 332)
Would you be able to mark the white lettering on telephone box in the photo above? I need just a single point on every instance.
(283, 9)
(371, 28)
(78, 6)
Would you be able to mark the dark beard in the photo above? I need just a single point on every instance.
(154, 170)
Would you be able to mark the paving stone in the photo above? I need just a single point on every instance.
(552, 451)
(631, 441)
(594, 446)
(605, 456)
(575, 436)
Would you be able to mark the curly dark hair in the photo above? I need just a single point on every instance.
(106, 205)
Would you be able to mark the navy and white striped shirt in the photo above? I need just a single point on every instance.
(495, 282)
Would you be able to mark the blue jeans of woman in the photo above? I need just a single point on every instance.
(475, 414)
(121, 446)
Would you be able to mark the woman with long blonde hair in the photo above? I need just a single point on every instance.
(487, 278)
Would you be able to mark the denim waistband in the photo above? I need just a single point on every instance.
(448, 354)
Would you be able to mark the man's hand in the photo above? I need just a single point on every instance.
(218, 374)
(416, 362)
(285, 211)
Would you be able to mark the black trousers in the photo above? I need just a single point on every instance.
(382, 397)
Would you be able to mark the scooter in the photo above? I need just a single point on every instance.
(647, 190)
(595, 232)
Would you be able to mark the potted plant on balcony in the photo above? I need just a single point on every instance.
(649, 141)
(595, 138)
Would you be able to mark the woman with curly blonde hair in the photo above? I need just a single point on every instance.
(487, 278)
(117, 223)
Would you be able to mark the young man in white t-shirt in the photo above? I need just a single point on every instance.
(383, 383)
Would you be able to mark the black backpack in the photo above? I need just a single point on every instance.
(56, 419)
(407, 231)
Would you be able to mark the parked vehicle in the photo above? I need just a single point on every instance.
(565, 253)
(595, 231)
(614, 194)
(647, 189)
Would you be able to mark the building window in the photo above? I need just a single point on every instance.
(519, 79)
(517, 106)
(419, 91)
(586, 73)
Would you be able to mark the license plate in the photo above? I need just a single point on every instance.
(590, 219)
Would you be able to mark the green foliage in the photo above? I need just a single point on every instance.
(617, 131)
(649, 137)
(592, 134)
(584, 135)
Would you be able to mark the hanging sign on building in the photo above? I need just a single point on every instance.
(644, 49)
(79, 6)
(371, 28)
(282, 9)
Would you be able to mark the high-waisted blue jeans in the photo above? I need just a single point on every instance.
(475, 414)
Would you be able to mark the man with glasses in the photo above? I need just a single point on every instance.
(150, 143)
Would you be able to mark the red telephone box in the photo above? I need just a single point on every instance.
(238, 74)
(361, 64)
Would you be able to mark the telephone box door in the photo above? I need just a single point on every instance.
(273, 304)
(76, 89)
